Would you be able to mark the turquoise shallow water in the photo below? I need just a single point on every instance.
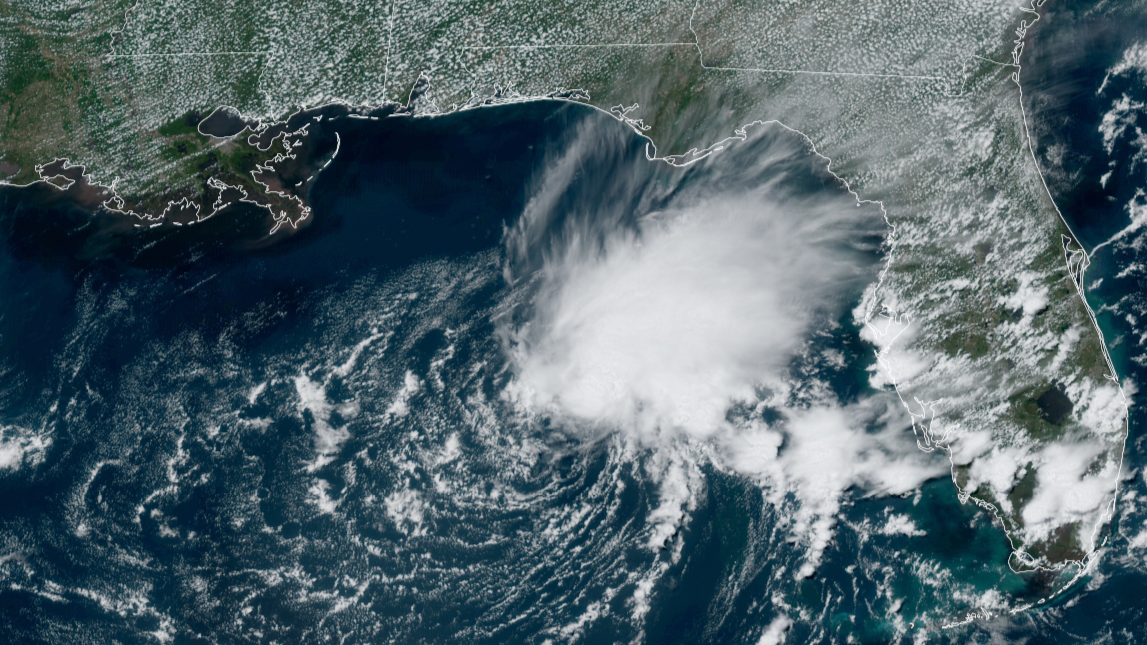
(1075, 79)
(310, 441)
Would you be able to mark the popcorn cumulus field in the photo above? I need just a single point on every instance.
(519, 321)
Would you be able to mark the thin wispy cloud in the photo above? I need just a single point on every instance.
(665, 300)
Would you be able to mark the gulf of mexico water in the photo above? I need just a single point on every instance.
(319, 440)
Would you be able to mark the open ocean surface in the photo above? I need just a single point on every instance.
(206, 442)
(1085, 84)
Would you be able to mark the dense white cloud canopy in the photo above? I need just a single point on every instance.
(656, 322)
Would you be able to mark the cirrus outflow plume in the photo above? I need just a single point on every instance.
(662, 302)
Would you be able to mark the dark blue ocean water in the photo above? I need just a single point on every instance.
(1085, 83)
(208, 439)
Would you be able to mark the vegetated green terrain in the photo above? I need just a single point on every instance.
(914, 104)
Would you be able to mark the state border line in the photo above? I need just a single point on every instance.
(575, 46)
(759, 70)
(179, 54)
(701, 58)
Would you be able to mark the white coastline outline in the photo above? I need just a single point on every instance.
(114, 203)
(1077, 259)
